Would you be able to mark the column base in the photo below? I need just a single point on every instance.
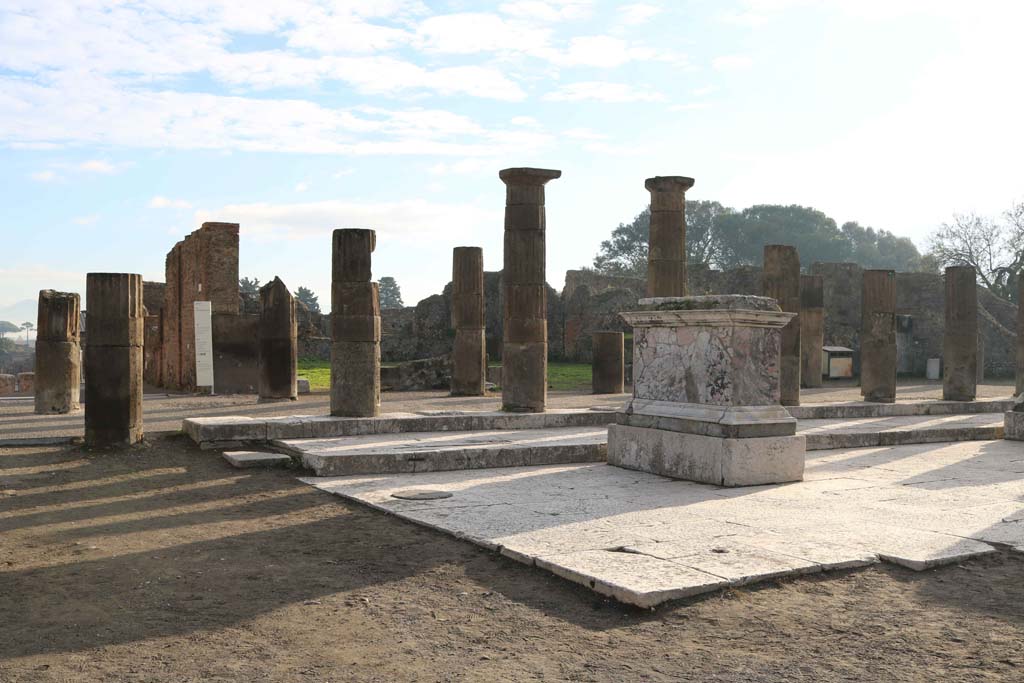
(1013, 426)
(707, 459)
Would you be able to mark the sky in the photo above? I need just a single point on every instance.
(125, 125)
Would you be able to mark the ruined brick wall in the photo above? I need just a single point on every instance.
(153, 296)
(202, 267)
(597, 283)
(235, 353)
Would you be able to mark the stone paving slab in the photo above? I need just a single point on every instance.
(248, 459)
(899, 430)
(901, 408)
(644, 539)
(435, 451)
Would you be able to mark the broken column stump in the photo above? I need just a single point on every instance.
(524, 353)
(666, 251)
(878, 336)
(705, 404)
(960, 337)
(113, 360)
(608, 369)
(278, 345)
(469, 352)
(355, 326)
(58, 366)
(812, 329)
(781, 281)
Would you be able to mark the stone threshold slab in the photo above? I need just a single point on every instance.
(644, 539)
(239, 428)
(440, 451)
(863, 409)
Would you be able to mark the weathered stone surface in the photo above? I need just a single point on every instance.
(782, 283)
(152, 350)
(469, 351)
(113, 360)
(1013, 425)
(524, 348)
(423, 374)
(58, 361)
(1020, 336)
(960, 338)
(251, 459)
(812, 329)
(355, 326)
(303, 385)
(666, 256)
(26, 382)
(608, 370)
(278, 358)
(8, 384)
(878, 336)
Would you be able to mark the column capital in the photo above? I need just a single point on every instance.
(669, 183)
(528, 176)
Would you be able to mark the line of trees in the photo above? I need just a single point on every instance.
(390, 293)
(725, 238)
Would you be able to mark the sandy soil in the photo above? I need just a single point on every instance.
(163, 564)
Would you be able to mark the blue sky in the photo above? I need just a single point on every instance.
(124, 125)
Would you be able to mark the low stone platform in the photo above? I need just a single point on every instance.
(643, 539)
(236, 428)
(439, 451)
(902, 408)
(895, 431)
(251, 459)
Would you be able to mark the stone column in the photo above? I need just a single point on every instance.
(469, 353)
(781, 281)
(278, 350)
(355, 326)
(1020, 335)
(878, 336)
(666, 251)
(113, 359)
(524, 354)
(812, 329)
(58, 353)
(608, 369)
(960, 338)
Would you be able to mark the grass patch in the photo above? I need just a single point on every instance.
(318, 372)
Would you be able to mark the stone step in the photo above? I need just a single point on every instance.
(442, 451)
(896, 431)
(250, 459)
(212, 431)
(862, 409)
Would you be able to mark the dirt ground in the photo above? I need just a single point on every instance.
(161, 563)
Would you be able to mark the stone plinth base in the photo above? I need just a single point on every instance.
(707, 459)
(1013, 426)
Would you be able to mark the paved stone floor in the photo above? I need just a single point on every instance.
(644, 539)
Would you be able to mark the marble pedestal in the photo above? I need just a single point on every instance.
(705, 404)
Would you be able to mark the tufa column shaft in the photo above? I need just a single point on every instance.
(812, 329)
(355, 326)
(469, 355)
(878, 336)
(278, 350)
(524, 287)
(960, 339)
(58, 366)
(608, 370)
(666, 251)
(113, 360)
(781, 281)
(1020, 334)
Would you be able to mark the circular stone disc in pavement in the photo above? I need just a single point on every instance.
(421, 494)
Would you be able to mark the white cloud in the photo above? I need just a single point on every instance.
(601, 91)
(86, 220)
(341, 173)
(556, 10)
(638, 13)
(301, 187)
(731, 62)
(43, 176)
(702, 92)
(97, 166)
(463, 166)
(584, 134)
(690, 106)
(472, 32)
(159, 202)
(525, 121)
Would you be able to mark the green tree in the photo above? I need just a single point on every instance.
(745, 234)
(249, 286)
(390, 293)
(872, 248)
(27, 327)
(307, 297)
(6, 326)
(6, 345)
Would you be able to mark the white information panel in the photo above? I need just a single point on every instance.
(204, 344)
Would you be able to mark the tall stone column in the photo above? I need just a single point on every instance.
(960, 339)
(608, 369)
(1020, 335)
(524, 354)
(878, 336)
(113, 359)
(812, 329)
(469, 355)
(58, 370)
(666, 251)
(278, 350)
(781, 281)
(355, 326)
